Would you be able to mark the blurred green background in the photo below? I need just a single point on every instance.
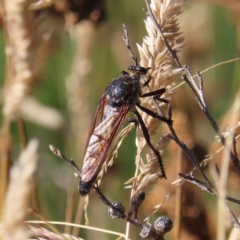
(211, 36)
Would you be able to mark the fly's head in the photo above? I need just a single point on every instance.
(138, 72)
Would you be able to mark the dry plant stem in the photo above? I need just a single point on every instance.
(203, 186)
(35, 198)
(78, 217)
(191, 156)
(22, 132)
(69, 207)
(190, 178)
(77, 225)
(235, 220)
(4, 162)
(234, 143)
(39, 216)
(192, 85)
(138, 161)
(223, 177)
(123, 216)
(178, 197)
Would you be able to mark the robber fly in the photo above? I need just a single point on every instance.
(121, 96)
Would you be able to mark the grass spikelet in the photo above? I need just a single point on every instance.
(154, 54)
(148, 175)
(16, 202)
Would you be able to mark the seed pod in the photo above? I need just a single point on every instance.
(120, 209)
(163, 225)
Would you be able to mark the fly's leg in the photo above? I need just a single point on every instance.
(156, 94)
(147, 81)
(147, 138)
(155, 115)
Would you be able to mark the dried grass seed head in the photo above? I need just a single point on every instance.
(16, 202)
(29, 37)
(164, 72)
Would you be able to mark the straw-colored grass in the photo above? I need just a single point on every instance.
(29, 30)
(17, 198)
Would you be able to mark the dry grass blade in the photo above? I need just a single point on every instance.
(222, 184)
(42, 233)
(16, 202)
(36, 230)
(34, 111)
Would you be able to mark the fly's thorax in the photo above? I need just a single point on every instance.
(123, 90)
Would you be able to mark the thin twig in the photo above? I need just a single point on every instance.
(123, 215)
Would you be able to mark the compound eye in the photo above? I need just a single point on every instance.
(138, 69)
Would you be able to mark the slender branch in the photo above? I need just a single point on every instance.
(122, 215)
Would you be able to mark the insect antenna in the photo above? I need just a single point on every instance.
(126, 40)
(62, 156)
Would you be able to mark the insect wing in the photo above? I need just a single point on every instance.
(97, 119)
(106, 124)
